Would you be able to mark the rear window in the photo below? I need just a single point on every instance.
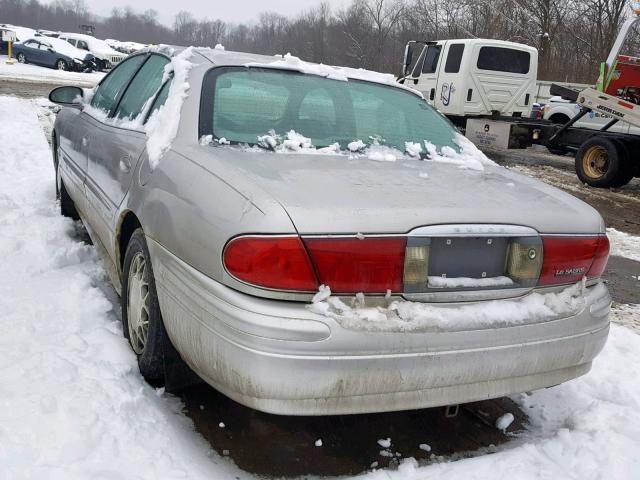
(242, 104)
(500, 59)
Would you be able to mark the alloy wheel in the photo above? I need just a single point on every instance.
(138, 303)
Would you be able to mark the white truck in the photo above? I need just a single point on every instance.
(473, 77)
(487, 88)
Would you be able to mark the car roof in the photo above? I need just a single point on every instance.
(221, 57)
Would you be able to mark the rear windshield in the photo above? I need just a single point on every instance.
(500, 59)
(241, 104)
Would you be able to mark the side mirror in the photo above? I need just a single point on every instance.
(69, 96)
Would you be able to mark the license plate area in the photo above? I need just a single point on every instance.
(441, 262)
(471, 257)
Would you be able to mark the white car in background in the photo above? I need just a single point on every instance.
(560, 111)
(105, 56)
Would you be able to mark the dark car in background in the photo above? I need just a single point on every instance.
(53, 53)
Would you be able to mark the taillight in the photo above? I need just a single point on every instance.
(272, 262)
(351, 265)
(568, 259)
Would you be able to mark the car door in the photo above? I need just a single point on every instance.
(32, 51)
(428, 72)
(47, 57)
(118, 142)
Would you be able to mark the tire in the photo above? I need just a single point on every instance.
(602, 163)
(21, 58)
(67, 207)
(139, 305)
(61, 65)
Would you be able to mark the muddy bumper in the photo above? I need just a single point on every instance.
(278, 357)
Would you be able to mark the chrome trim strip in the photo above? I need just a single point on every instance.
(474, 230)
(466, 295)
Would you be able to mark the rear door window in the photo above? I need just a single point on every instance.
(454, 58)
(110, 89)
(160, 99)
(500, 59)
(142, 88)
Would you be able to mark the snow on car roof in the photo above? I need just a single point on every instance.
(61, 46)
(22, 33)
(220, 56)
(94, 43)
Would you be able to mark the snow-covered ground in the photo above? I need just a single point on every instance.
(73, 405)
(35, 73)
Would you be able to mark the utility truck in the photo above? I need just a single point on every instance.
(486, 88)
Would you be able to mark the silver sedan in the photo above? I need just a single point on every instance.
(313, 240)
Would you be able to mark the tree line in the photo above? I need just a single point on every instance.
(572, 36)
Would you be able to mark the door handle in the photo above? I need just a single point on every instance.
(125, 163)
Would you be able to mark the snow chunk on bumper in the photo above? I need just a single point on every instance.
(407, 316)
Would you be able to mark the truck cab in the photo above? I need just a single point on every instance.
(473, 77)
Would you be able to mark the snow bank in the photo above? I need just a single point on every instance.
(19, 72)
(72, 402)
(162, 126)
(406, 316)
(624, 245)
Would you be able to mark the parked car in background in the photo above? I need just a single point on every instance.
(125, 47)
(106, 57)
(22, 33)
(53, 53)
(283, 179)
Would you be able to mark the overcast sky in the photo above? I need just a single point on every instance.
(228, 10)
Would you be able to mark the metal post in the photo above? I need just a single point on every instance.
(9, 60)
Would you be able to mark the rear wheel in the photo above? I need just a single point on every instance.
(21, 58)
(67, 207)
(61, 65)
(141, 318)
(601, 162)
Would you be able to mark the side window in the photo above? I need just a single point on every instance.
(160, 98)
(499, 59)
(142, 88)
(83, 45)
(44, 46)
(431, 60)
(111, 87)
(31, 43)
(417, 68)
(454, 58)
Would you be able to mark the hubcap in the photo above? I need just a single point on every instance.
(61, 65)
(21, 58)
(595, 162)
(138, 303)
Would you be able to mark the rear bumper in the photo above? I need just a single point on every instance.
(280, 358)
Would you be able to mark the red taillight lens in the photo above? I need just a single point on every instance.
(568, 259)
(273, 262)
(351, 265)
